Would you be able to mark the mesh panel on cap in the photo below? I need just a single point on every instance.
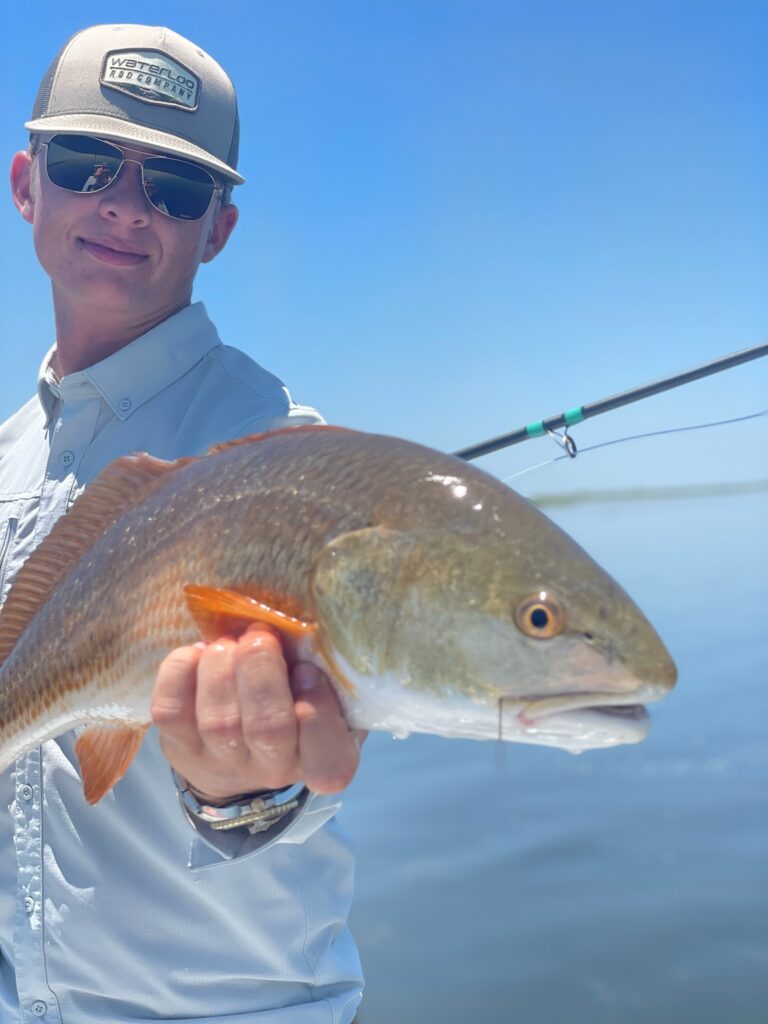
(46, 86)
(235, 146)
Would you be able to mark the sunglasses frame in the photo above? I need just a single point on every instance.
(148, 155)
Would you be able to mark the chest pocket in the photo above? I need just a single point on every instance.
(7, 537)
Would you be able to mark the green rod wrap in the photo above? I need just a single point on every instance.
(573, 416)
(535, 429)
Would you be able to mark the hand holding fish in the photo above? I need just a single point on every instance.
(233, 719)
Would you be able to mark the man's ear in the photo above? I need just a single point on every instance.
(222, 227)
(21, 184)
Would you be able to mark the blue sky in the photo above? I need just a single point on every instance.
(463, 215)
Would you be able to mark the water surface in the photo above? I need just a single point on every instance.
(516, 883)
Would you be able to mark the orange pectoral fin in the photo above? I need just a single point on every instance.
(105, 754)
(218, 612)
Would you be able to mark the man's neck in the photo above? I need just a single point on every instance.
(82, 341)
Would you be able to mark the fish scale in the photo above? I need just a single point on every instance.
(400, 570)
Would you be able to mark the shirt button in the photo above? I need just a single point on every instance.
(125, 404)
(29, 904)
(26, 792)
(39, 1008)
(67, 458)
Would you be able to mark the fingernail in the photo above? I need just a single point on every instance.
(200, 645)
(305, 677)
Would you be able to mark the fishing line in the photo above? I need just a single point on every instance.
(631, 437)
(571, 417)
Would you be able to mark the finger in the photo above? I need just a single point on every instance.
(267, 710)
(173, 699)
(217, 703)
(328, 752)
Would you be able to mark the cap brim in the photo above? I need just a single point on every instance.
(117, 130)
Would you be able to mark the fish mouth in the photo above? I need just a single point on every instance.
(627, 705)
(576, 729)
(578, 722)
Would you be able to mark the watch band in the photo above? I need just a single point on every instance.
(255, 811)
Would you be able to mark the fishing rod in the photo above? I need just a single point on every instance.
(584, 412)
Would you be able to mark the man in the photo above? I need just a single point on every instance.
(99, 179)
(137, 909)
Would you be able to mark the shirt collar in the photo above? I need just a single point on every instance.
(47, 385)
(142, 369)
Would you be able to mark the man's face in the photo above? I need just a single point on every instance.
(111, 251)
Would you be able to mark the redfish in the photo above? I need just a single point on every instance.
(435, 597)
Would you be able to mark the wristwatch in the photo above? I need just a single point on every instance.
(255, 811)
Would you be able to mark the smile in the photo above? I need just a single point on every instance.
(117, 257)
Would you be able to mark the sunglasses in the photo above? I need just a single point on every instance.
(177, 188)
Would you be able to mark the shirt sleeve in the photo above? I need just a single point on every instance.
(295, 416)
(211, 847)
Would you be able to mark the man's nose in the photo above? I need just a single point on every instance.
(124, 200)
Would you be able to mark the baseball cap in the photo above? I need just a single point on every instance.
(143, 84)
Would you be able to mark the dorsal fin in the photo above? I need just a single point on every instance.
(301, 429)
(118, 488)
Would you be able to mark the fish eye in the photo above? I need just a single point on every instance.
(540, 616)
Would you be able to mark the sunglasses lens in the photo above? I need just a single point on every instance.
(178, 188)
(79, 163)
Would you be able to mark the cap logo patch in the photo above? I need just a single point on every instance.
(151, 76)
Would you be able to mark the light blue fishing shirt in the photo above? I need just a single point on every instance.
(123, 912)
